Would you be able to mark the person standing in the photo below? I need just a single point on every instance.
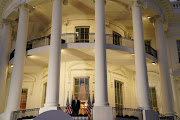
(75, 106)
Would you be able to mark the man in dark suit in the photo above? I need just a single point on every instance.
(75, 106)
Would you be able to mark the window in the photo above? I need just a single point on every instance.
(82, 92)
(82, 89)
(117, 39)
(118, 97)
(118, 94)
(82, 34)
(23, 99)
(178, 49)
(153, 99)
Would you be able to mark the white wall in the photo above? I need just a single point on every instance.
(72, 69)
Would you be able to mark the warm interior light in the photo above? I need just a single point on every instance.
(148, 17)
(132, 54)
(153, 63)
(11, 65)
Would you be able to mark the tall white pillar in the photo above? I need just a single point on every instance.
(52, 95)
(15, 89)
(101, 110)
(166, 86)
(101, 98)
(5, 44)
(140, 58)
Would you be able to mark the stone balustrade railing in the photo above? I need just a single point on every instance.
(176, 4)
(127, 113)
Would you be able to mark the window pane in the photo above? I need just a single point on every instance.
(153, 97)
(86, 30)
(76, 89)
(178, 42)
(81, 89)
(77, 30)
(81, 81)
(178, 48)
(118, 93)
(76, 81)
(86, 81)
(86, 36)
(87, 88)
(116, 38)
(82, 30)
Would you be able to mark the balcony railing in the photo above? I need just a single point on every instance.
(164, 117)
(127, 114)
(72, 38)
(25, 114)
(176, 4)
(84, 113)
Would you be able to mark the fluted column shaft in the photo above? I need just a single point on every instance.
(5, 44)
(140, 59)
(18, 64)
(166, 86)
(52, 95)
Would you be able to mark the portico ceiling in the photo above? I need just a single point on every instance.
(116, 11)
(39, 60)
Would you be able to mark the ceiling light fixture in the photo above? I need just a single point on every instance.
(132, 54)
(148, 17)
(11, 65)
(154, 63)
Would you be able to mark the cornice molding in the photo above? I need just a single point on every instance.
(26, 7)
(153, 5)
(167, 10)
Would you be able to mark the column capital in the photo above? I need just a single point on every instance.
(157, 18)
(7, 21)
(137, 3)
(93, 1)
(26, 6)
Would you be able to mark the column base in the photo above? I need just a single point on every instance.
(150, 115)
(7, 115)
(102, 113)
(47, 108)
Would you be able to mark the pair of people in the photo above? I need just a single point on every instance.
(75, 106)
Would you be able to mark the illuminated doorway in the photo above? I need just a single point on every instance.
(81, 90)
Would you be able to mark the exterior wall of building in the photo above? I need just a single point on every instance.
(70, 70)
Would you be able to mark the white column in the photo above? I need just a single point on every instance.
(140, 58)
(5, 44)
(18, 64)
(52, 95)
(166, 86)
(101, 110)
(101, 98)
